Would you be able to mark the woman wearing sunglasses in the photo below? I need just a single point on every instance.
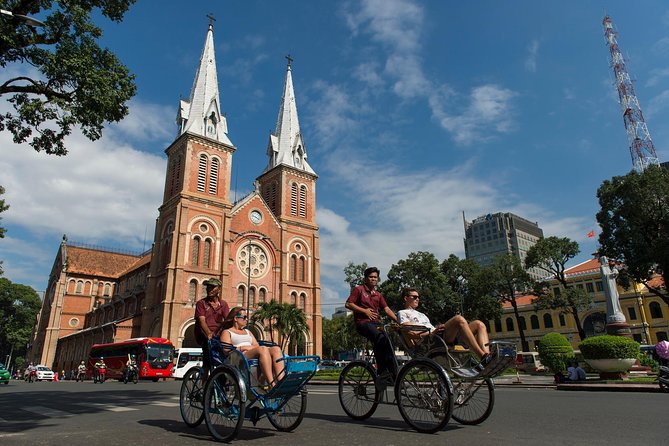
(236, 333)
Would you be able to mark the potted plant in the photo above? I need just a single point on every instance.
(555, 352)
(612, 356)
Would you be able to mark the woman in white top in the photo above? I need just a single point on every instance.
(236, 333)
(474, 334)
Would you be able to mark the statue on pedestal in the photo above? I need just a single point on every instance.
(615, 319)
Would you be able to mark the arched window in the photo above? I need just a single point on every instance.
(303, 302)
(192, 291)
(534, 322)
(202, 173)
(87, 288)
(261, 295)
(293, 267)
(293, 298)
(195, 252)
(498, 325)
(293, 199)
(240, 295)
(655, 310)
(303, 201)
(301, 270)
(563, 322)
(509, 324)
(252, 296)
(522, 323)
(80, 287)
(213, 176)
(207, 254)
(548, 321)
(107, 291)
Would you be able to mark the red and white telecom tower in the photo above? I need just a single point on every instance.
(641, 146)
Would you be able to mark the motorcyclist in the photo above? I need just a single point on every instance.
(100, 364)
(81, 371)
(32, 372)
(130, 366)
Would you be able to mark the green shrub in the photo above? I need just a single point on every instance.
(609, 347)
(556, 352)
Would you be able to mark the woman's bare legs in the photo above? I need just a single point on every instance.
(264, 359)
(480, 331)
(278, 365)
(458, 326)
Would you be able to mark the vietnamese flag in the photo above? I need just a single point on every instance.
(591, 233)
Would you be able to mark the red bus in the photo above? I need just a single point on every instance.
(154, 357)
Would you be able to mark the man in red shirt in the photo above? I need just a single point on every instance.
(365, 302)
(210, 312)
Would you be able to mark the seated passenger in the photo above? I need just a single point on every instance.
(575, 373)
(474, 334)
(236, 333)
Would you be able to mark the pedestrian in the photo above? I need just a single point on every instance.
(575, 373)
(365, 301)
(210, 312)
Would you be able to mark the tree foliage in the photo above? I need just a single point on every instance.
(76, 82)
(3, 208)
(289, 322)
(507, 278)
(634, 218)
(19, 305)
(551, 255)
(339, 335)
(354, 275)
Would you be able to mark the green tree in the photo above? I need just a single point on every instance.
(3, 208)
(551, 255)
(634, 218)
(77, 82)
(507, 277)
(421, 270)
(289, 322)
(339, 335)
(354, 275)
(469, 282)
(19, 305)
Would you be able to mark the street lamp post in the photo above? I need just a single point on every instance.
(30, 21)
(249, 244)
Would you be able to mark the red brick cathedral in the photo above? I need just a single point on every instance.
(263, 247)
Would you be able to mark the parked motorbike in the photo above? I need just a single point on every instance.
(663, 378)
(131, 374)
(100, 375)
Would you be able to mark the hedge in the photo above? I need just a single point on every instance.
(609, 347)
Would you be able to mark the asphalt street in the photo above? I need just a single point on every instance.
(73, 414)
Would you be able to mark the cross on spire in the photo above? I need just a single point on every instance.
(290, 60)
(211, 18)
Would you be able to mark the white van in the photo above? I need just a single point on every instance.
(187, 359)
(529, 362)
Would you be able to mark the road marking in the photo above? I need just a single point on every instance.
(322, 392)
(164, 404)
(47, 412)
(111, 408)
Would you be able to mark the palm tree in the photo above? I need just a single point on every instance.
(287, 320)
(265, 315)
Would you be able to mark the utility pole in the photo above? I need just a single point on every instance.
(640, 144)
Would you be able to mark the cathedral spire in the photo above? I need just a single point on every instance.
(286, 146)
(201, 115)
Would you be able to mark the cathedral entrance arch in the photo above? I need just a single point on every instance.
(595, 324)
(188, 337)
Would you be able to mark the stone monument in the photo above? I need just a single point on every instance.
(615, 319)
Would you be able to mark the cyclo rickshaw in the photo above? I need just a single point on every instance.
(232, 392)
(436, 384)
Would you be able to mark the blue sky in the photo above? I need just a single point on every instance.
(412, 112)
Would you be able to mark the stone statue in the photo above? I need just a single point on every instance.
(615, 319)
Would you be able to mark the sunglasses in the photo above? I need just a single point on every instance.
(414, 297)
(239, 316)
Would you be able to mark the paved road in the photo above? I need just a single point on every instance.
(73, 414)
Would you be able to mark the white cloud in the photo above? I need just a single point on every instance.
(145, 122)
(656, 76)
(531, 59)
(489, 110)
(661, 46)
(658, 103)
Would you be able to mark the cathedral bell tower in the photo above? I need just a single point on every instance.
(193, 218)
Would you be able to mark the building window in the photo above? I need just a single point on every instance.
(240, 296)
(600, 286)
(498, 325)
(303, 301)
(213, 176)
(548, 321)
(252, 296)
(107, 291)
(534, 322)
(303, 201)
(301, 270)
(522, 323)
(563, 321)
(293, 298)
(293, 199)
(655, 310)
(509, 324)
(192, 291)
(195, 252)
(207, 253)
(293, 268)
(202, 173)
(661, 336)
(80, 287)
(632, 313)
(261, 295)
